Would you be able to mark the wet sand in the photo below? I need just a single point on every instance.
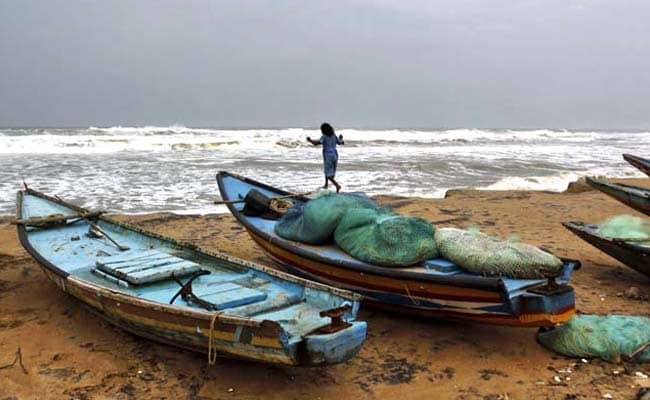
(70, 353)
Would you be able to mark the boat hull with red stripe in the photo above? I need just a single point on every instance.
(421, 289)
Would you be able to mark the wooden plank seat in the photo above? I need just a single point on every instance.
(145, 266)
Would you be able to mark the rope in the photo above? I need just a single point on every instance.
(212, 352)
(280, 205)
(408, 293)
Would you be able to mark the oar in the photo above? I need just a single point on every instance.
(103, 232)
(272, 198)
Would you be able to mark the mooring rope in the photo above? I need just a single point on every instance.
(417, 303)
(212, 352)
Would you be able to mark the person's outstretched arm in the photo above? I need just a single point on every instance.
(312, 141)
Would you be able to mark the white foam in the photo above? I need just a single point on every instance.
(180, 138)
(555, 183)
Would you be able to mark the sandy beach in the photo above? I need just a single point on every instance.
(70, 353)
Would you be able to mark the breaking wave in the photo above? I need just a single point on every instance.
(181, 138)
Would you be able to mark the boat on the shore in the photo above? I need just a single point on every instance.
(179, 294)
(643, 164)
(633, 253)
(633, 196)
(436, 288)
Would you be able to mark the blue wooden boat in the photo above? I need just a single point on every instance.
(179, 294)
(643, 164)
(633, 196)
(634, 254)
(436, 288)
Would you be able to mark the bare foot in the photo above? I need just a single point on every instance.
(338, 188)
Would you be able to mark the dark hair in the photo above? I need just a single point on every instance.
(327, 129)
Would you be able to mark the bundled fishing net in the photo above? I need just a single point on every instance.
(609, 337)
(378, 236)
(482, 254)
(314, 222)
(625, 227)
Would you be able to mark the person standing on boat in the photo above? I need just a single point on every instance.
(329, 140)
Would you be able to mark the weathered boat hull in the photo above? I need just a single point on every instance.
(634, 255)
(643, 164)
(414, 290)
(635, 197)
(197, 329)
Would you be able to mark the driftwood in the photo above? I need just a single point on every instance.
(18, 359)
(50, 219)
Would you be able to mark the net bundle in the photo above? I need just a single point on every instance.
(609, 337)
(314, 222)
(487, 255)
(625, 227)
(379, 236)
(360, 228)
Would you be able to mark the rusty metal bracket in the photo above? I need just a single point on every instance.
(337, 323)
(550, 288)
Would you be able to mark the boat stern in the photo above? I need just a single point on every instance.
(546, 304)
(322, 348)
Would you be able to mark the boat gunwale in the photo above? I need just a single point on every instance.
(223, 317)
(640, 163)
(474, 282)
(581, 226)
(619, 188)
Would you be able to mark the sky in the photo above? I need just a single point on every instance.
(355, 63)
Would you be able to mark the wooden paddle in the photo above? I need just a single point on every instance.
(103, 232)
(272, 198)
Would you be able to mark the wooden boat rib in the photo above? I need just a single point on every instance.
(635, 197)
(437, 288)
(238, 308)
(635, 255)
(643, 164)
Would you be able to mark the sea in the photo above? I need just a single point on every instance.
(173, 168)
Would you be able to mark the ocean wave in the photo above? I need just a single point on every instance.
(558, 182)
(176, 138)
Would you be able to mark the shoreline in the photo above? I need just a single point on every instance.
(576, 186)
(71, 353)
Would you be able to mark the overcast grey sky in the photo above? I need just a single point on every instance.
(361, 63)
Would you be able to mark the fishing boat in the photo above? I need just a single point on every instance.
(179, 294)
(643, 164)
(436, 288)
(633, 253)
(633, 196)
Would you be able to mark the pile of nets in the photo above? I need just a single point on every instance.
(361, 228)
(625, 227)
(379, 236)
(314, 222)
(609, 337)
(486, 255)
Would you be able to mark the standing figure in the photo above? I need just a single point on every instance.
(329, 140)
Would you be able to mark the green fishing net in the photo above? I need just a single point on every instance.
(378, 236)
(609, 337)
(625, 227)
(314, 222)
(486, 255)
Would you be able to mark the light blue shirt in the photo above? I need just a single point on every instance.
(329, 143)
